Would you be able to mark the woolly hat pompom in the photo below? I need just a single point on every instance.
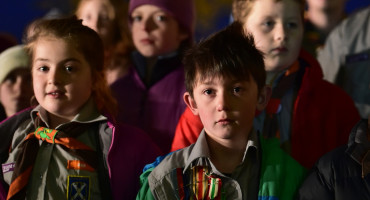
(13, 58)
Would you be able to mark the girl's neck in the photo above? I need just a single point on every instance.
(150, 62)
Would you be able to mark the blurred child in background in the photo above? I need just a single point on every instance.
(15, 81)
(150, 96)
(110, 20)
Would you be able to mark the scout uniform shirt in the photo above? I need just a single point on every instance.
(190, 172)
(56, 173)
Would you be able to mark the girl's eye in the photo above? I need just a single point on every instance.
(136, 18)
(160, 18)
(11, 78)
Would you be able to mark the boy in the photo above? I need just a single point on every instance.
(225, 82)
(309, 115)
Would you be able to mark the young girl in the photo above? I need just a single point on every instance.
(109, 19)
(65, 146)
(150, 96)
(309, 115)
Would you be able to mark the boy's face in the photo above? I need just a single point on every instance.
(62, 79)
(16, 91)
(155, 32)
(278, 30)
(226, 107)
(95, 15)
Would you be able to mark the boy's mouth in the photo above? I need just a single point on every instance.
(225, 121)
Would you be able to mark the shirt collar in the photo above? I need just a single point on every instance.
(201, 149)
(88, 114)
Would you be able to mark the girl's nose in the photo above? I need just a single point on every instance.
(280, 33)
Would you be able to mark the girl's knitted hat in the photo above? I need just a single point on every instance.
(13, 58)
(182, 10)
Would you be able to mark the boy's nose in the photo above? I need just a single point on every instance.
(223, 102)
(280, 32)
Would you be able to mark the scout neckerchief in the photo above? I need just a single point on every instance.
(286, 82)
(29, 148)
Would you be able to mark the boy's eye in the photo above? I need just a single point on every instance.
(69, 68)
(292, 25)
(207, 91)
(268, 23)
(43, 69)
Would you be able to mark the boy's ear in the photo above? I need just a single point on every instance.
(264, 97)
(190, 103)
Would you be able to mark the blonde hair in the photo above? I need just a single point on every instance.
(242, 8)
(88, 43)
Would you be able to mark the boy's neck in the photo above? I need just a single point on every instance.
(227, 154)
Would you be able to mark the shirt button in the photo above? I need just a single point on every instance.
(40, 176)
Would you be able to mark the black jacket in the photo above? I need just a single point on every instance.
(343, 173)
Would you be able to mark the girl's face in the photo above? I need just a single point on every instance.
(277, 28)
(62, 78)
(96, 15)
(155, 32)
(16, 91)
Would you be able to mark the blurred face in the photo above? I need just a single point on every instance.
(326, 4)
(277, 29)
(155, 32)
(61, 77)
(226, 107)
(16, 91)
(96, 15)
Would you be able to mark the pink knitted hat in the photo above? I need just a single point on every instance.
(182, 10)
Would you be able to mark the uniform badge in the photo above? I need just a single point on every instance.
(78, 188)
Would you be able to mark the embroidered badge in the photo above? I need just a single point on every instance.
(357, 57)
(47, 134)
(8, 167)
(78, 188)
(79, 165)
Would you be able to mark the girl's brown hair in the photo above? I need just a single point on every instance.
(88, 43)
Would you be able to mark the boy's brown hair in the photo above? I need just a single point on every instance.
(229, 52)
(242, 8)
(87, 42)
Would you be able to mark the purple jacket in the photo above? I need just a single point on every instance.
(155, 108)
(126, 148)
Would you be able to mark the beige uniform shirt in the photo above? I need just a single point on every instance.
(51, 178)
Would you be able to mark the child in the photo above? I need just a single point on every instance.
(15, 81)
(65, 146)
(308, 114)
(150, 96)
(109, 19)
(320, 18)
(344, 172)
(225, 82)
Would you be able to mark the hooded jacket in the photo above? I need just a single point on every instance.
(343, 173)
